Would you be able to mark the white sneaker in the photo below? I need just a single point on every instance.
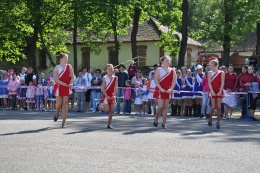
(22, 109)
(46, 110)
(146, 113)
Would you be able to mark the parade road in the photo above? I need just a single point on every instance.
(33, 142)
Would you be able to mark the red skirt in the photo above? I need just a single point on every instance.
(159, 95)
(60, 90)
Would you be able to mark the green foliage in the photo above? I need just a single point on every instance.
(207, 19)
(169, 14)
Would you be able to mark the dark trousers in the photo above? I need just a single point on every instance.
(13, 101)
(127, 106)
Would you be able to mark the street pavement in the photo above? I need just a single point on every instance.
(32, 142)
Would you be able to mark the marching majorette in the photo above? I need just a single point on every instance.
(165, 80)
(63, 75)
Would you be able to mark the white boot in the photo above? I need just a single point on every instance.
(152, 110)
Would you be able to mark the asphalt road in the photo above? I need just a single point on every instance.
(32, 142)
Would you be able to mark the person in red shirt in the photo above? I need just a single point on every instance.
(131, 70)
(230, 100)
(246, 84)
(238, 89)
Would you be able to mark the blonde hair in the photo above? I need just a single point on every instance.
(109, 65)
(164, 57)
(214, 62)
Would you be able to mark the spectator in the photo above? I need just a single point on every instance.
(258, 72)
(96, 81)
(13, 90)
(80, 82)
(41, 77)
(138, 77)
(88, 78)
(205, 107)
(22, 75)
(50, 76)
(155, 66)
(92, 72)
(230, 100)
(122, 78)
(247, 83)
(29, 76)
(253, 59)
(131, 70)
(127, 98)
(239, 89)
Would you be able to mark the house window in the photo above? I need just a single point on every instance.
(141, 54)
(85, 56)
(43, 60)
(111, 55)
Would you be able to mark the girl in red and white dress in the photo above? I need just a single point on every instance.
(165, 80)
(63, 75)
(216, 81)
(109, 90)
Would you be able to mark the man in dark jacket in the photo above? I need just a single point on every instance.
(253, 59)
(29, 76)
(122, 78)
(96, 81)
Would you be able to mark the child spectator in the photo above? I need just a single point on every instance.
(41, 76)
(80, 82)
(127, 97)
(138, 97)
(22, 75)
(145, 97)
(13, 88)
(22, 94)
(46, 97)
(151, 87)
(51, 99)
(50, 78)
(39, 95)
(34, 81)
(4, 91)
(30, 96)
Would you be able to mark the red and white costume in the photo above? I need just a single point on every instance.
(216, 83)
(64, 76)
(165, 81)
(110, 89)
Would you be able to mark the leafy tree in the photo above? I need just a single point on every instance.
(225, 21)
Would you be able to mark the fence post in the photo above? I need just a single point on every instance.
(246, 116)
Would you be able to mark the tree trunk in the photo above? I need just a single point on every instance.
(32, 49)
(134, 32)
(75, 28)
(227, 30)
(184, 39)
(116, 51)
(46, 49)
(258, 38)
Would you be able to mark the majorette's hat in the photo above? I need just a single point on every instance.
(199, 66)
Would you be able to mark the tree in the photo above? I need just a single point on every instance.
(184, 39)
(28, 21)
(258, 38)
(169, 14)
(224, 22)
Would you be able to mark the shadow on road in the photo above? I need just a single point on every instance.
(27, 131)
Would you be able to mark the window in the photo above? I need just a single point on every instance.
(111, 55)
(43, 60)
(85, 56)
(141, 54)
